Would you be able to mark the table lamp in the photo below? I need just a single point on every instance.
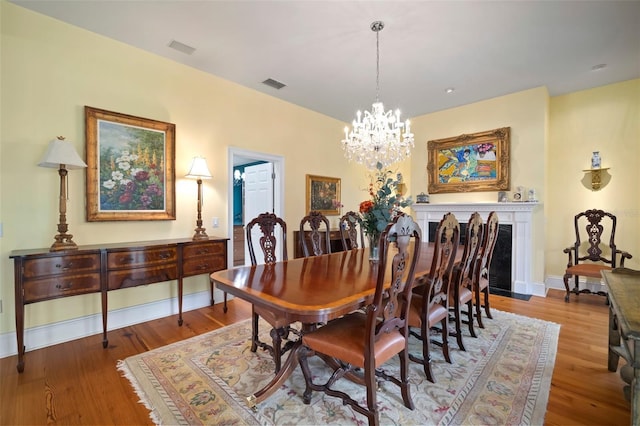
(61, 155)
(199, 170)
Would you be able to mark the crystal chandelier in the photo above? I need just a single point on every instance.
(379, 136)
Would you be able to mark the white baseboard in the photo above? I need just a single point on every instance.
(65, 331)
(592, 284)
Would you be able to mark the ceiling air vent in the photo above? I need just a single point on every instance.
(274, 83)
(181, 47)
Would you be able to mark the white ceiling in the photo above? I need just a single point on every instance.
(325, 51)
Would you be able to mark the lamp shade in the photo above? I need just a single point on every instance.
(61, 152)
(199, 169)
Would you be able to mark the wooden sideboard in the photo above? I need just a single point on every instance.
(43, 275)
(623, 287)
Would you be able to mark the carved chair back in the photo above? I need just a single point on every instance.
(267, 224)
(316, 241)
(350, 229)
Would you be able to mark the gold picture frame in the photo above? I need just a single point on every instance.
(130, 167)
(323, 195)
(470, 163)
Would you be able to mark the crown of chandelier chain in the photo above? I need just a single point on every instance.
(378, 137)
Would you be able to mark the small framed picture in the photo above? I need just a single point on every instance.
(503, 197)
(323, 195)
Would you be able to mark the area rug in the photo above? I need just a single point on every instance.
(503, 378)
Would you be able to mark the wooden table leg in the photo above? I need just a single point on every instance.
(287, 368)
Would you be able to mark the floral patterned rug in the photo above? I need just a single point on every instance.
(503, 378)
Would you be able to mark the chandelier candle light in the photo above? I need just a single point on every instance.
(199, 171)
(379, 136)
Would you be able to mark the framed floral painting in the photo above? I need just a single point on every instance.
(131, 167)
(323, 195)
(470, 163)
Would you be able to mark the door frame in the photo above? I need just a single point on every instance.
(278, 189)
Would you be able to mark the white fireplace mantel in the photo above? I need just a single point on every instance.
(518, 215)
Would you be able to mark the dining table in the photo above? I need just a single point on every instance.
(311, 290)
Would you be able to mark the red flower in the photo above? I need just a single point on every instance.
(366, 206)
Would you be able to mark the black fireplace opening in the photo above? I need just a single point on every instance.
(500, 268)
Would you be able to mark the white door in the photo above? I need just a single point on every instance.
(258, 198)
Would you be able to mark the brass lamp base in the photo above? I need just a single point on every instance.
(63, 242)
(200, 235)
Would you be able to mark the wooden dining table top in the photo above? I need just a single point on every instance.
(313, 289)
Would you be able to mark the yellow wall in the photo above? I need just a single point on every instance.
(605, 119)
(526, 113)
(51, 70)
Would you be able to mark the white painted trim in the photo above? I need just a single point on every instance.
(65, 331)
(592, 284)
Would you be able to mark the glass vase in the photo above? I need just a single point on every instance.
(374, 255)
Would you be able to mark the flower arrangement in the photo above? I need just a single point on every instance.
(385, 202)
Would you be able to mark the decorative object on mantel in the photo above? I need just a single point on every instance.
(470, 163)
(384, 205)
(422, 198)
(503, 197)
(518, 194)
(62, 155)
(532, 198)
(596, 177)
(199, 171)
(379, 136)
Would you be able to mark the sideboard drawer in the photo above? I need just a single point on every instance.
(56, 265)
(203, 265)
(141, 276)
(144, 257)
(60, 286)
(212, 248)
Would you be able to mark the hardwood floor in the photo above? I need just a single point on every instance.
(77, 382)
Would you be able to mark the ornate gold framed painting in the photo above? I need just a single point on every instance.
(131, 167)
(470, 163)
(323, 195)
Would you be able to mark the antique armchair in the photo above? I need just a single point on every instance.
(357, 345)
(481, 273)
(589, 257)
(312, 241)
(350, 229)
(463, 276)
(430, 302)
(267, 223)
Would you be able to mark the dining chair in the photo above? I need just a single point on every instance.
(463, 278)
(481, 274)
(316, 241)
(267, 223)
(358, 344)
(430, 303)
(594, 256)
(350, 227)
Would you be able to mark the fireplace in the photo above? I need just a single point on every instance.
(513, 255)
(500, 268)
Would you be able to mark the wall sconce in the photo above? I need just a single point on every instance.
(596, 177)
(199, 170)
(62, 155)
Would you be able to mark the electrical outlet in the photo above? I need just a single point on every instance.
(215, 222)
